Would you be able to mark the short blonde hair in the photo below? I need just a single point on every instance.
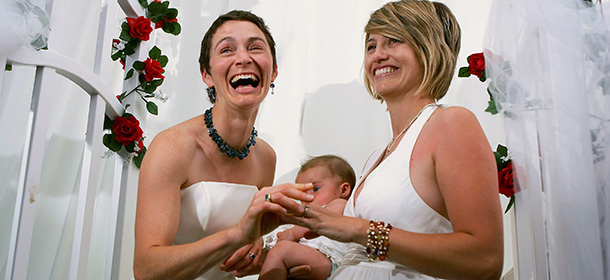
(433, 32)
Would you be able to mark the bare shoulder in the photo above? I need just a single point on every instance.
(170, 152)
(456, 131)
(267, 158)
(455, 117)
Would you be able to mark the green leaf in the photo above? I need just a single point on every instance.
(463, 72)
(152, 108)
(8, 67)
(130, 49)
(168, 27)
(141, 78)
(110, 141)
(171, 13)
(125, 32)
(498, 161)
(129, 74)
(138, 65)
(165, 5)
(502, 150)
(163, 60)
(483, 77)
(156, 82)
(149, 87)
(154, 8)
(510, 204)
(143, 3)
(177, 28)
(115, 56)
(154, 53)
(492, 108)
(108, 122)
(138, 159)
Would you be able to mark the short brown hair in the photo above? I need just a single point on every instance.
(431, 30)
(337, 166)
(206, 43)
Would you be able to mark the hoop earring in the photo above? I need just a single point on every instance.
(272, 86)
(211, 94)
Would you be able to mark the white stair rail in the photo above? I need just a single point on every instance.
(103, 101)
(48, 64)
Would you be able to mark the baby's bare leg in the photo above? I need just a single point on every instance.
(286, 254)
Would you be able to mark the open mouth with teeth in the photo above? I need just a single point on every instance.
(384, 70)
(244, 81)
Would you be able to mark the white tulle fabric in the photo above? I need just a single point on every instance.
(550, 62)
(23, 24)
(388, 195)
(209, 207)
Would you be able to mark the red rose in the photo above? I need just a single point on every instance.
(152, 70)
(139, 28)
(159, 24)
(476, 64)
(507, 180)
(127, 130)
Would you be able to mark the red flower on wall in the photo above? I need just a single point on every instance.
(139, 28)
(153, 70)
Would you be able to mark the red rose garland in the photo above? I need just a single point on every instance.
(508, 184)
(125, 131)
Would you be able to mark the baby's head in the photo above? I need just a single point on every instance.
(332, 178)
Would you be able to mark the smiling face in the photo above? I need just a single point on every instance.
(241, 64)
(326, 186)
(392, 66)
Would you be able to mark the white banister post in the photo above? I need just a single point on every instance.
(31, 170)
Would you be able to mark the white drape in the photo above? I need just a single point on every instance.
(319, 106)
(551, 62)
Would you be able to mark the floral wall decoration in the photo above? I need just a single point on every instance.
(508, 183)
(124, 132)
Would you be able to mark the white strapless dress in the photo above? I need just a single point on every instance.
(207, 208)
(388, 195)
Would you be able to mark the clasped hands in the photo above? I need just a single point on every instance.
(268, 209)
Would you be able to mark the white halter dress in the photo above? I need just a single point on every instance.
(207, 208)
(388, 195)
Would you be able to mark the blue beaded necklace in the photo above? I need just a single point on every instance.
(224, 147)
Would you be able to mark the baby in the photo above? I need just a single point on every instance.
(333, 179)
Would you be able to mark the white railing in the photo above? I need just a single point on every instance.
(102, 102)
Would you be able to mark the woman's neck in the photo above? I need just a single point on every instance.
(234, 125)
(403, 111)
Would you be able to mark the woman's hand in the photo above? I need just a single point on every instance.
(263, 214)
(330, 224)
(247, 260)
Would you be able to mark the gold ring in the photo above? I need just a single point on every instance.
(252, 256)
(268, 197)
(305, 211)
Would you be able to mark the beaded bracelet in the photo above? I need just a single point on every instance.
(378, 240)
